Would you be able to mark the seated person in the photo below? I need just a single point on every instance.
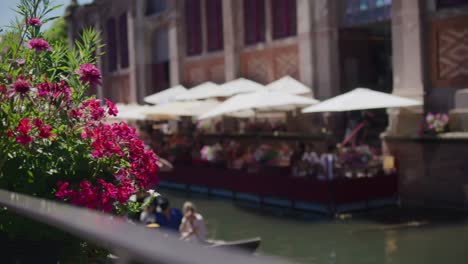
(167, 217)
(193, 226)
(148, 216)
(328, 160)
(311, 160)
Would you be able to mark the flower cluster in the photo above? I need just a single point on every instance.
(54, 133)
(39, 45)
(102, 196)
(35, 22)
(25, 131)
(89, 74)
(437, 122)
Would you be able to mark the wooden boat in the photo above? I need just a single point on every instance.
(247, 245)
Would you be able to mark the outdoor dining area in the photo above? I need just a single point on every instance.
(239, 139)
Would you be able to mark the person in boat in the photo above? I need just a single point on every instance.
(167, 217)
(148, 216)
(193, 226)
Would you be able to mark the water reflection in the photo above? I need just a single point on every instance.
(387, 236)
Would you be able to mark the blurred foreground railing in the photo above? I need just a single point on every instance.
(128, 241)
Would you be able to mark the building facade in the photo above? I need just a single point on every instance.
(411, 48)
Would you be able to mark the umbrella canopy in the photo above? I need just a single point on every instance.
(290, 85)
(165, 96)
(259, 101)
(202, 91)
(361, 99)
(129, 112)
(176, 109)
(239, 86)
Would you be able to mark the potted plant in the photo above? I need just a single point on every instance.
(54, 142)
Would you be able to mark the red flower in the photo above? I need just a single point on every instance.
(9, 133)
(24, 139)
(38, 122)
(34, 22)
(24, 126)
(21, 86)
(39, 45)
(89, 74)
(112, 109)
(44, 131)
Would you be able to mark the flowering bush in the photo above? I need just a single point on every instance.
(436, 122)
(53, 139)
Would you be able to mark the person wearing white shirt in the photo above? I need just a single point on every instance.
(328, 161)
(193, 226)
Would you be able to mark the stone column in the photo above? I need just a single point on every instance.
(306, 42)
(203, 26)
(132, 53)
(176, 41)
(231, 40)
(139, 55)
(268, 22)
(325, 54)
(100, 60)
(408, 78)
(325, 23)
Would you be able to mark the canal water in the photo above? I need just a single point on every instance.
(384, 236)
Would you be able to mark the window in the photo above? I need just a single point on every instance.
(284, 18)
(193, 27)
(123, 40)
(364, 12)
(254, 23)
(111, 45)
(214, 24)
(451, 3)
(155, 6)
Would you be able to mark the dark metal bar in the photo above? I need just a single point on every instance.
(131, 241)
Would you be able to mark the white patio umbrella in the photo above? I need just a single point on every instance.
(361, 99)
(165, 96)
(290, 85)
(260, 101)
(203, 91)
(177, 109)
(129, 112)
(239, 86)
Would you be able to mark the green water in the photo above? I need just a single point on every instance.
(383, 236)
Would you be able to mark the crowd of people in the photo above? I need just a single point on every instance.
(189, 223)
(298, 159)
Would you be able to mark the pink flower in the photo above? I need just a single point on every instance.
(63, 192)
(112, 109)
(21, 86)
(20, 61)
(55, 91)
(74, 113)
(39, 45)
(89, 74)
(36, 22)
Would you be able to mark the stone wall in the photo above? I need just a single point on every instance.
(199, 70)
(267, 65)
(433, 171)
